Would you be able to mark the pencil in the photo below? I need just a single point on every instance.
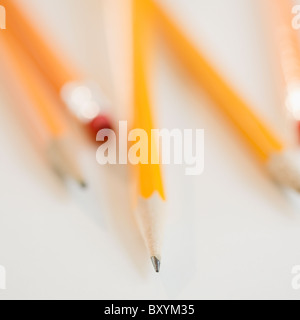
(150, 189)
(262, 140)
(38, 105)
(83, 98)
(288, 48)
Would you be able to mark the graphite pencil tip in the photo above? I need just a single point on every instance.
(156, 263)
(83, 184)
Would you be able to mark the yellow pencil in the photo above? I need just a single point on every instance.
(150, 190)
(267, 146)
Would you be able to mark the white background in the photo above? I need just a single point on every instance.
(231, 234)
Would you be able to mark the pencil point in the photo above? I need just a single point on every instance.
(83, 184)
(156, 263)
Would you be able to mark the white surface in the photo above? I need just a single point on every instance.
(231, 232)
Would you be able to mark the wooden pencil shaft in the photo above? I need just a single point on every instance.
(286, 39)
(49, 57)
(39, 101)
(39, 104)
(254, 130)
(150, 191)
(149, 175)
(58, 70)
(287, 46)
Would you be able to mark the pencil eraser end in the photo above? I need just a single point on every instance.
(99, 123)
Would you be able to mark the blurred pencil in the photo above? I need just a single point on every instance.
(267, 146)
(288, 48)
(83, 98)
(38, 104)
(150, 192)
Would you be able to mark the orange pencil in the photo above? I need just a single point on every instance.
(288, 48)
(38, 104)
(83, 98)
(266, 144)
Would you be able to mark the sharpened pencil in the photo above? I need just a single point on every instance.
(150, 189)
(268, 147)
(83, 98)
(39, 106)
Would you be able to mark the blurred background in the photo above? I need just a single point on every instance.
(231, 232)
